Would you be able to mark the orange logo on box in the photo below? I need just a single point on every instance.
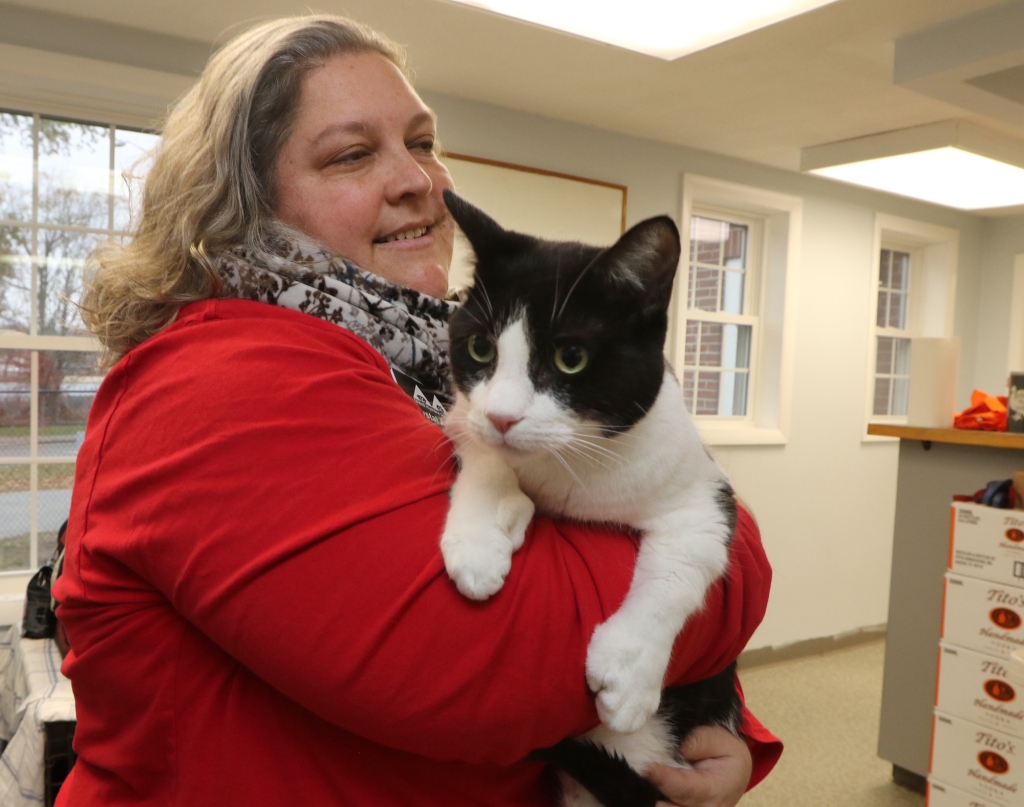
(1015, 535)
(1005, 618)
(991, 761)
(1000, 690)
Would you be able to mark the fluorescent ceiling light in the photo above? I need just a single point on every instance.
(946, 176)
(667, 29)
(952, 163)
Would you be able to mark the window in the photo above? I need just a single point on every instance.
(720, 330)
(61, 194)
(892, 352)
(913, 288)
(731, 330)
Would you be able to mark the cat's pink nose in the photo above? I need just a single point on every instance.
(503, 422)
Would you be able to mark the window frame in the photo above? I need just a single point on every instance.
(751, 315)
(33, 341)
(912, 316)
(931, 293)
(772, 353)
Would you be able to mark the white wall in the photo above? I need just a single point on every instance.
(826, 500)
(1003, 239)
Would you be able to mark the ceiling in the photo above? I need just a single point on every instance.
(824, 76)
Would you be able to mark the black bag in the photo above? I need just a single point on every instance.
(39, 621)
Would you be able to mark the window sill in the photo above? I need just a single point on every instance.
(719, 435)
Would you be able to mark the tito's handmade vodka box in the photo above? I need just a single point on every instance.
(975, 686)
(942, 795)
(978, 760)
(983, 616)
(987, 542)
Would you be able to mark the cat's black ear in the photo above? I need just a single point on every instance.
(644, 261)
(485, 234)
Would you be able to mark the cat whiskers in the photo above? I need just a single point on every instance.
(438, 444)
(597, 454)
(479, 282)
(572, 288)
(568, 466)
(477, 319)
(600, 433)
(554, 305)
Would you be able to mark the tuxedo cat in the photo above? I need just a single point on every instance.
(564, 402)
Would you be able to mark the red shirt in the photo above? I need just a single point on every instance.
(257, 604)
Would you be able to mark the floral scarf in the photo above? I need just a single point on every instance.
(409, 329)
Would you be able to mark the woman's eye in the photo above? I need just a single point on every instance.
(481, 349)
(350, 157)
(571, 359)
(427, 144)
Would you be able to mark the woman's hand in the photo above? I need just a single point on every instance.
(721, 770)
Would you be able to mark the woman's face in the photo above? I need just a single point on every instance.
(359, 173)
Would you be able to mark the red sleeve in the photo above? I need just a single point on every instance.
(287, 499)
(765, 747)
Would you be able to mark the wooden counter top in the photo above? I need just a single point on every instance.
(963, 436)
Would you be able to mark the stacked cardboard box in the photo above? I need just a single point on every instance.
(978, 735)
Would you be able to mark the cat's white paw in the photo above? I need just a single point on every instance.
(625, 670)
(478, 558)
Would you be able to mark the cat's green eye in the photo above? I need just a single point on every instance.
(571, 359)
(481, 349)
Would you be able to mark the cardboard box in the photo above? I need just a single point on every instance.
(987, 543)
(942, 795)
(977, 687)
(983, 616)
(978, 760)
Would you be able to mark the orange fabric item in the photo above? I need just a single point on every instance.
(986, 412)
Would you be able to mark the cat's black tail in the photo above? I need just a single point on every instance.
(607, 776)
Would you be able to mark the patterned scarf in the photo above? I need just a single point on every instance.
(408, 328)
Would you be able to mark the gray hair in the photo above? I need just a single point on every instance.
(211, 185)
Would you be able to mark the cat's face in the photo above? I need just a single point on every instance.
(559, 342)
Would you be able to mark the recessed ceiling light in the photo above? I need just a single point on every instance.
(952, 163)
(667, 29)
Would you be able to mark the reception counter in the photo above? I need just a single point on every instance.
(934, 464)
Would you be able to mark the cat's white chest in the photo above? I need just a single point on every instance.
(622, 478)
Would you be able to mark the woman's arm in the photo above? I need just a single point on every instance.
(293, 517)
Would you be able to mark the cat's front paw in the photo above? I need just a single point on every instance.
(625, 670)
(478, 560)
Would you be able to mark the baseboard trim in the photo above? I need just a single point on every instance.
(810, 647)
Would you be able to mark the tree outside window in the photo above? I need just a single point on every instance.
(62, 193)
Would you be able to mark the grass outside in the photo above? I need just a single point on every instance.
(15, 478)
(14, 553)
(44, 431)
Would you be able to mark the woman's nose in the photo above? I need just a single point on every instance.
(407, 178)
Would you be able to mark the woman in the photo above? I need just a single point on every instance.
(254, 596)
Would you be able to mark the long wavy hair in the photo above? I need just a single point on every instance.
(211, 184)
